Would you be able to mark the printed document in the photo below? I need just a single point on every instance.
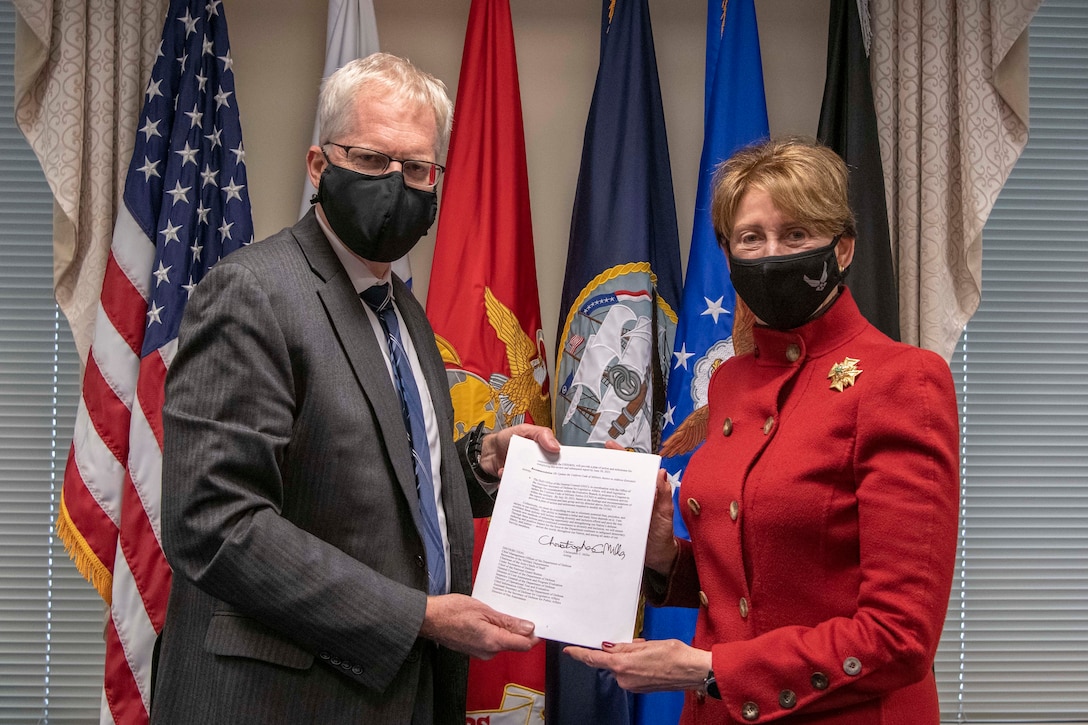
(567, 541)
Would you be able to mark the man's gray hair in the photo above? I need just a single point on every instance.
(381, 75)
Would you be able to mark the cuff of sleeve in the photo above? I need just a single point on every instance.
(682, 585)
(489, 482)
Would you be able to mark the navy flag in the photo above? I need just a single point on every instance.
(622, 281)
(735, 115)
(620, 293)
(848, 125)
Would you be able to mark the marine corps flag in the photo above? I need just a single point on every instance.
(848, 125)
(620, 293)
(734, 115)
(483, 301)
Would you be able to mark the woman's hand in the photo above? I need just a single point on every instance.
(649, 665)
(661, 544)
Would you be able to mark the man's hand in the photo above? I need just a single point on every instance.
(494, 446)
(468, 625)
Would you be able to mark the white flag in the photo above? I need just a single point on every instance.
(352, 33)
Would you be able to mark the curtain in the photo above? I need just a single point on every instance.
(950, 88)
(80, 72)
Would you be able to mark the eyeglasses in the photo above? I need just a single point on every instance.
(417, 174)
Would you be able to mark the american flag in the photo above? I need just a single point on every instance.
(185, 206)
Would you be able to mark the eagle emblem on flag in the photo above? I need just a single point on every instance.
(501, 400)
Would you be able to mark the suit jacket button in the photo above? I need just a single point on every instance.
(793, 352)
(703, 600)
(767, 425)
(819, 681)
(851, 666)
(324, 655)
(357, 670)
(346, 665)
(727, 427)
(749, 711)
(694, 506)
(743, 608)
(334, 661)
(787, 698)
(734, 510)
(419, 562)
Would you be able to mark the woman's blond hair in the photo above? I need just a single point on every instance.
(806, 181)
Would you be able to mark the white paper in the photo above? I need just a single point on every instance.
(567, 541)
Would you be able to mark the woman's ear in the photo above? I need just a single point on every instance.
(723, 244)
(844, 251)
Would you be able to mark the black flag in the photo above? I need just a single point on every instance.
(848, 125)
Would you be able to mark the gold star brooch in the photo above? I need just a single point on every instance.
(842, 374)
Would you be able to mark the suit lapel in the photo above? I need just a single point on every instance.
(423, 340)
(365, 356)
(363, 351)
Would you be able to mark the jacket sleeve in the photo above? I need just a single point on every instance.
(481, 501)
(681, 587)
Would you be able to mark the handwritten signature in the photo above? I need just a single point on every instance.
(575, 547)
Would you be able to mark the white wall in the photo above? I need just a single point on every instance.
(279, 45)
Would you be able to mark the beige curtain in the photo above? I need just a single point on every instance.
(80, 71)
(950, 86)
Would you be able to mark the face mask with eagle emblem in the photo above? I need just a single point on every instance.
(785, 291)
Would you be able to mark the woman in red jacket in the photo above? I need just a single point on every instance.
(822, 505)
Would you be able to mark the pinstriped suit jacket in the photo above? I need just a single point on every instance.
(290, 513)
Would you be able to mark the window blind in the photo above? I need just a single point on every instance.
(1015, 645)
(51, 649)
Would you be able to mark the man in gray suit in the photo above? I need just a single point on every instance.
(316, 512)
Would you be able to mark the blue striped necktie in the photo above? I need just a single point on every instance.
(380, 299)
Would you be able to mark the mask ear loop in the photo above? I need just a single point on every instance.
(328, 163)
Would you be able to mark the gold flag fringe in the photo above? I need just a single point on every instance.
(87, 562)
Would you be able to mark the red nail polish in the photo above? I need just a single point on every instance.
(606, 645)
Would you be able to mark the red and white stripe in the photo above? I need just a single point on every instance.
(110, 509)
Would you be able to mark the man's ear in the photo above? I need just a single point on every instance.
(315, 164)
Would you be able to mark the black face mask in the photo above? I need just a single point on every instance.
(785, 291)
(377, 217)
